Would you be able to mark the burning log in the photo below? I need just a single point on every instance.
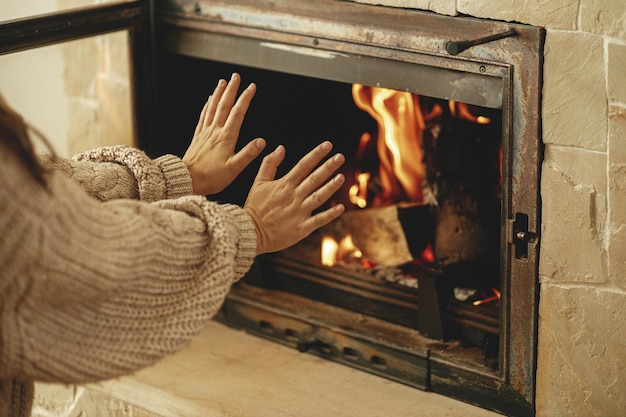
(392, 235)
(464, 167)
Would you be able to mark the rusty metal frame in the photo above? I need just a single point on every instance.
(132, 16)
(295, 36)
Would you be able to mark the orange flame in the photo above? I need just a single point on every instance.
(358, 192)
(330, 248)
(342, 252)
(462, 111)
(400, 126)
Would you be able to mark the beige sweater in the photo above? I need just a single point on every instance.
(96, 284)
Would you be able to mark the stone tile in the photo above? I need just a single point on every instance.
(573, 192)
(116, 113)
(617, 196)
(447, 7)
(55, 399)
(555, 14)
(82, 133)
(574, 91)
(581, 353)
(117, 52)
(617, 165)
(93, 403)
(604, 17)
(81, 66)
(617, 73)
(617, 256)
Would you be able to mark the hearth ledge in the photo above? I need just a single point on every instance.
(226, 372)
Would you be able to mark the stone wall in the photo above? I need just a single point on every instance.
(582, 347)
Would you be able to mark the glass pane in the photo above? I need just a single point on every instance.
(76, 93)
(19, 9)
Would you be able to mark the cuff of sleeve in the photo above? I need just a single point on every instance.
(150, 180)
(247, 239)
(177, 178)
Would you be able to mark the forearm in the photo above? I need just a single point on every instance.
(120, 172)
(102, 289)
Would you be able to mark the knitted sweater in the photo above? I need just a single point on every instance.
(108, 269)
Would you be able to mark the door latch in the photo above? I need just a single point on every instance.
(519, 235)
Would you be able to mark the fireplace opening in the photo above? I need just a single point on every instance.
(430, 277)
(425, 253)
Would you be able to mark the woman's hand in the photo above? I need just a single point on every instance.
(282, 209)
(211, 158)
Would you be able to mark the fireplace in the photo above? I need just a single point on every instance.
(443, 295)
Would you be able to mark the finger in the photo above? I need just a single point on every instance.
(242, 159)
(323, 218)
(270, 164)
(239, 110)
(321, 195)
(203, 116)
(308, 162)
(227, 100)
(215, 99)
(321, 174)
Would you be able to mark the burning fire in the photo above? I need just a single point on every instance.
(399, 145)
(462, 111)
(397, 152)
(334, 252)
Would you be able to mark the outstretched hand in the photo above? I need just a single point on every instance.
(282, 209)
(211, 158)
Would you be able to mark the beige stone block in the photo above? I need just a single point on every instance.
(617, 164)
(573, 193)
(604, 17)
(118, 52)
(617, 196)
(55, 400)
(617, 254)
(82, 130)
(574, 104)
(617, 134)
(104, 120)
(616, 79)
(447, 7)
(94, 403)
(81, 66)
(553, 14)
(116, 112)
(581, 353)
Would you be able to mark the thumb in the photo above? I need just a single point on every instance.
(270, 164)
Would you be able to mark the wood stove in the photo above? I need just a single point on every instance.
(444, 295)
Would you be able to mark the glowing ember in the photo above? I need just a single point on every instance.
(493, 298)
(428, 255)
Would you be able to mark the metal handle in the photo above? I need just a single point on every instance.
(456, 47)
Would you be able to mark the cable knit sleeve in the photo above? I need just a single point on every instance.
(121, 172)
(91, 290)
